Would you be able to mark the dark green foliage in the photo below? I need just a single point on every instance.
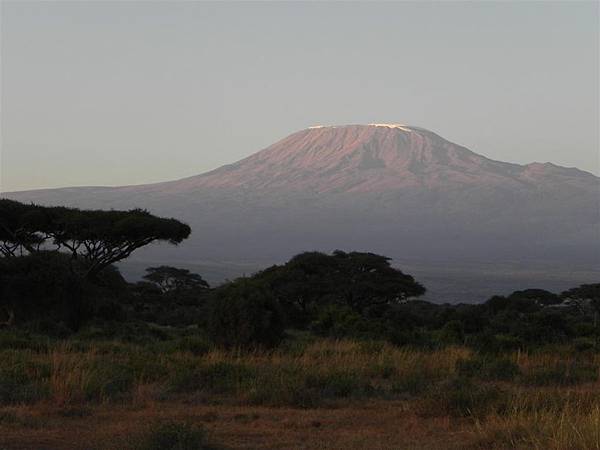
(539, 296)
(219, 378)
(244, 313)
(542, 327)
(20, 378)
(356, 280)
(462, 397)
(488, 368)
(174, 436)
(338, 384)
(585, 291)
(563, 374)
(56, 264)
(339, 321)
(174, 281)
(413, 383)
(14, 339)
(452, 333)
(196, 345)
(170, 296)
(490, 343)
(99, 238)
(109, 380)
(41, 285)
(42, 291)
(288, 386)
(498, 304)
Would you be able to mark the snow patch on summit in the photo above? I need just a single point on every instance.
(391, 125)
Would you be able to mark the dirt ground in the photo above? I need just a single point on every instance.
(372, 425)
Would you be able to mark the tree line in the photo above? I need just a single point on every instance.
(57, 272)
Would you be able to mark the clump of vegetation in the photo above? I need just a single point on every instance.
(244, 313)
(462, 397)
(489, 368)
(173, 436)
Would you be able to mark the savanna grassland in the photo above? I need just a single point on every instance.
(325, 351)
(174, 389)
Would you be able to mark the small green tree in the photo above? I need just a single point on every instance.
(173, 280)
(244, 313)
(587, 295)
(360, 281)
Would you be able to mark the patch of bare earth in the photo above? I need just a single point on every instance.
(370, 425)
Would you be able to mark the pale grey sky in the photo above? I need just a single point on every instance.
(111, 93)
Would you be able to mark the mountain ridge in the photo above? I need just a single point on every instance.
(422, 134)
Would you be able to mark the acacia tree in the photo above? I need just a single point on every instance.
(357, 280)
(301, 283)
(368, 279)
(19, 228)
(96, 238)
(171, 279)
(584, 296)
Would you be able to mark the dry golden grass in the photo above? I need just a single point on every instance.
(328, 394)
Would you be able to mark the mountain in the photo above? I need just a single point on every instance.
(393, 189)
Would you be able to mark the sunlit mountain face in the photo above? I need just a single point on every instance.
(394, 189)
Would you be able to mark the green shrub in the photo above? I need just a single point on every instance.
(174, 436)
(461, 397)
(244, 313)
(288, 386)
(108, 380)
(282, 386)
(488, 368)
(418, 338)
(452, 333)
(15, 340)
(197, 345)
(495, 343)
(412, 383)
(562, 374)
(21, 379)
(584, 344)
(338, 384)
(219, 378)
(340, 321)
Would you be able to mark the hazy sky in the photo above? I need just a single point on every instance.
(110, 93)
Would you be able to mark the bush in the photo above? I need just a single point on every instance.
(15, 340)
(288, 386)
(244, 313)
(412, 383)
(460, 397)
(218, 378)
(488, 368)
(584, 344)
(338, 384)
(452, 333)
(174, 436)
(108, 380)
(563, 374)
(496, 343)
(196, 345)
(21, 379)
(340, 321)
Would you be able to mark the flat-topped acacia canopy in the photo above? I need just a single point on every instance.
(97, 237)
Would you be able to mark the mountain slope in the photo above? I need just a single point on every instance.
(378, 157)
(389, 188)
